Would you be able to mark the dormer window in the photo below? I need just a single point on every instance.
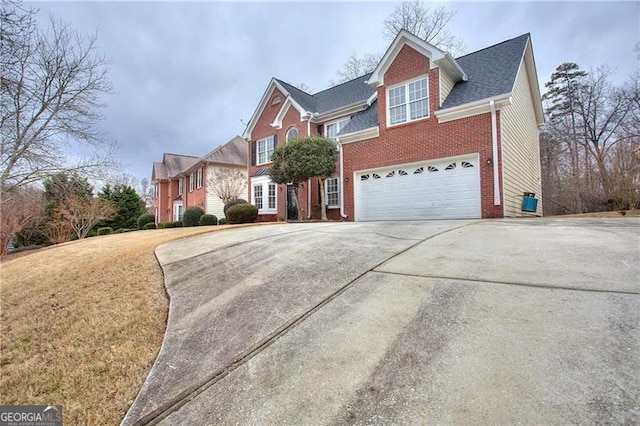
(408, 102)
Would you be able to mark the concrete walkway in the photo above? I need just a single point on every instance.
(502, 321)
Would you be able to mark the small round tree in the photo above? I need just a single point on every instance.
(144, 219)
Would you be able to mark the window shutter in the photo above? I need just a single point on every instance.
(253, 153)
(275, 140)
(320, 129)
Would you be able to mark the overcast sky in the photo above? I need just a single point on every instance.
(187, 75)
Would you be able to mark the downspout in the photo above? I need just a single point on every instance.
(494, 145)
(342, 213)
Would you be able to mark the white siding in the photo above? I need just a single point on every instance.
(520, 149)
(446, 84)
(214, 204)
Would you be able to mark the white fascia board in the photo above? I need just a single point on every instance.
(289, 102)
(360, 135)
(532, 75)
(372, 98)
(340, 112)
(473, 108)
(451, 67)
(403, 38)
(273, 84)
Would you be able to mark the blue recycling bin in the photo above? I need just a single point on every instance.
(529, 202)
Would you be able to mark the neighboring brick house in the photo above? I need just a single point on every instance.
(423, 136)
(182, 181)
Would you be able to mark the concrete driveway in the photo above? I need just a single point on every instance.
(472, 322)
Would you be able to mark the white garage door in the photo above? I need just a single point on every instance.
(446, 189)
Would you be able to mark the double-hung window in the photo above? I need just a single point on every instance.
(199, 178)
(408, 102)
(332, 191)
(180, 186)
(257, 196)
(332, 129)
(265, 148)
(192, 182)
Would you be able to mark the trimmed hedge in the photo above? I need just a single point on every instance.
(208, 219)
(242, 213)
(233, 203)
(192, 216)
(144, 219)
(149, 225)
(222, 221)
(163, 225)
(105, 230)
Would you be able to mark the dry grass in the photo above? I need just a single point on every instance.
(615, 213)
(82, 323)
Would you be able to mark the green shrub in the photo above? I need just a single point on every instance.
(105, 230)
(163, 225)
(192, 216)
(149, 225)
(120, 231)
(222, 221)
(208, 219)
(92, 233)
(144, 219)
(232, 203)
(242, 213)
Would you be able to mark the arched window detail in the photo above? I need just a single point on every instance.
(276, 100)
(292, 133)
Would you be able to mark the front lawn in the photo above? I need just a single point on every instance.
(82, 323)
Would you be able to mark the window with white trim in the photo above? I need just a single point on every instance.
(265, 149)
(180, 186)
(408, 102)
(177, 212)
(332, 192)
(333, 128)
(157, 190)
(292, 133)
(264, 195)
(199, 178)
(192, 182)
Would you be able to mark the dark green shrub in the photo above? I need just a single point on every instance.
(222, 221)
(163, 225)
(105, 230)
(233, 203)
(208, 219)
(149, 225)
(120, 231)
(242, 213)
(144, 219)
(192, 216)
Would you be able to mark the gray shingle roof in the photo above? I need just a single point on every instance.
(363, 120)
(232, 152)
(175, 163)
(491, 71)
(339, 96)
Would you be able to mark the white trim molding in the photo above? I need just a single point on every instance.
(473, 108)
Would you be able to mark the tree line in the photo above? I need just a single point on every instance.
(590, 144)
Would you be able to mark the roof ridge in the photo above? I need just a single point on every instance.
(180, 155)
(494, 45)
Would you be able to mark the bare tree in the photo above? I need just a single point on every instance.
(19, 208)
(146, 193)
(356, 66)
(52, 82)
(228, 184)
(430, 24)
(82, 215)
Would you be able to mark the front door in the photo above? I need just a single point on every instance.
(292, 204)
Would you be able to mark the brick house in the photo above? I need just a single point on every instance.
(424, 136)
(183, 181)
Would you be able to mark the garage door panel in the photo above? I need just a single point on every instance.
(433, 190)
